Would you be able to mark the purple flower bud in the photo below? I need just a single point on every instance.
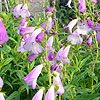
(53, 3)
(51, 56)
(96, 13)
(90, 23)
(98, 36)
(89, 41)
(87, 36)
(53, 67)
(61, 45)
(3, 34)
(54, 10)
(39, 37)
(92, 65)
(49, 10)
(82, 6)
(47, 31)
(54, 33)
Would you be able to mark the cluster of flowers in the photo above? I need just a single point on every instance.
(32, 36)
(82, 28)
(1, 85)
(22, 11)
(82, 6)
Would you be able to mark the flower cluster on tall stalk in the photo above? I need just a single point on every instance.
(87, 26)
(53, 62)
(32, 38)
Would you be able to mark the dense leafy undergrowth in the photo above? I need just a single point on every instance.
(67, 51)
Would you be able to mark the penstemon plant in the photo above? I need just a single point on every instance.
(47, 66)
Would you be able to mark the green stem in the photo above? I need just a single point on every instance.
(95, 59)
(59, 97)
(44, 8)
(48, 64)
(49, 75)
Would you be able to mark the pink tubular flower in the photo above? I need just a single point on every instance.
(82, 6)
(50, 42)
(3, 34)
(24, 12)
(47, 25)
(16, 10)
(75, 38)
(21, 49)
(71, 25)
(89, 41)
(23, 24)
(26, 30)
(97, 27)
(1, 82)
(31, 78)
(50, 95)
(34, 47)
(98, 36)
(32, 56)
(39, 37)
(69, 4)
(57, 81)
(1, 96)
(38, 95)
(32, 37)
(95, 1)
(84, 28)
(62, 55)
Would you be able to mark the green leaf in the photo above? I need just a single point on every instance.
(87, 97)
(7, 61)
(77, 78)
(14, 96)
(83, 62)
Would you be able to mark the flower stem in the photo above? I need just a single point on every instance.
(48, 64)
(44, 8)
(59, 97)
(95, 59)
